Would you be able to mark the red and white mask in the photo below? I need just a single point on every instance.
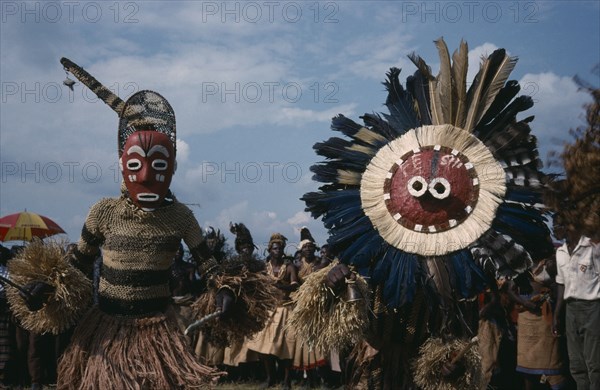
(148, 165)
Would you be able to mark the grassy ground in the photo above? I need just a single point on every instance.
(240, 386)
(257, 386)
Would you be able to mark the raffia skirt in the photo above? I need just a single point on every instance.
(276, 339)
(115, 352)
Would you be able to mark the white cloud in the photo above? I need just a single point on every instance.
(300, 218)
(372, 56)
(475, 56)
(183, 151)
(558, 107)
(298, 116)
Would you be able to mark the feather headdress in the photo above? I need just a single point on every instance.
(305, 238)
(446, 183)
(243, 237)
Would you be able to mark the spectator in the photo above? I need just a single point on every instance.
(539, 355)
(276, 341)
(578, 279)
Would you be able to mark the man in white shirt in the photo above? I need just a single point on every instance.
(578, 279)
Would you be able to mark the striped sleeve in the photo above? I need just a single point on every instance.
(88, 247)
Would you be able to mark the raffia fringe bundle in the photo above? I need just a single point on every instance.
(326, 320)
(434, 353)
(256, 298)
(46, 262)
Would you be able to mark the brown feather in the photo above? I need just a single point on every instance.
(495, 84)
(474, 95)
(460, 65)
(435, 105)
(444, 83)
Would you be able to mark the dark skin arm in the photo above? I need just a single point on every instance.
(515, 297)
(487, 309)
(208, 266)
(291, 274)
(556, 318)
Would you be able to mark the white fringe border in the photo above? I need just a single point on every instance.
(492, 188)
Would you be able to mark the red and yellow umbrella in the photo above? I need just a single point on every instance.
(25, 225)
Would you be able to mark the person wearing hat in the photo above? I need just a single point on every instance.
(309, 261)
(307, 359)
(276, 341)
(238, 353)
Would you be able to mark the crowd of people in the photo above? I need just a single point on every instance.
(277, 353)
(527, 338)
(30, 359)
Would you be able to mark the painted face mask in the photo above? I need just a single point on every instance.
(148, 164)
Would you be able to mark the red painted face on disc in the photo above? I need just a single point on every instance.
(148, 165)
(432, 189)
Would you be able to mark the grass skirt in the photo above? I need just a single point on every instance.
(114, 352)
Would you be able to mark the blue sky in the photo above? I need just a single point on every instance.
(254, 85)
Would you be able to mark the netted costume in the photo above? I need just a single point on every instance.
(427, 203)
(131, 339)
(133, 314)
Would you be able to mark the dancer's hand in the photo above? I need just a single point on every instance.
(556, 326)
(224, 301)
(452, 371)
(36, 294)
(336, 277)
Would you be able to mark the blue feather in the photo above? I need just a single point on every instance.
(336, 147)
(523, 195)
(341, 235)
(328, 172)
(400, 104)
(526, 227)
(365, 248)
(319, 203)
(505, 95)
(381, 126)
(345, 215)
(350, 128)
(470, 279)
(418, 86)
(507, 116)
(397, 270)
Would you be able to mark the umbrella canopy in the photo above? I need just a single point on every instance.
(25, 225)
